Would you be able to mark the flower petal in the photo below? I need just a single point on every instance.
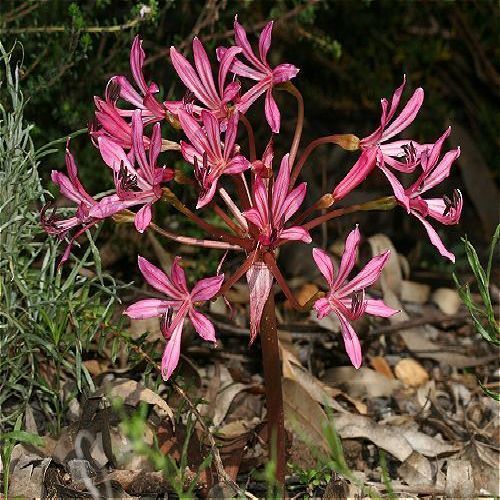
(265, 41)
(407, 115)
(378, 308)
(202, 325)
(280, 188)
(170, 358)
(435, 239)
(188, 76)
(322, 307)
(158, 279)
(325, 264)
(204, 70)
(295, 233)
(348, 257)
(284, 72)
(206, 288)
(351, 341)
(179, 276)
(143, 218)
(147, 308)
(367, 276)
(358, 173)
(240, 37)
(272, 112)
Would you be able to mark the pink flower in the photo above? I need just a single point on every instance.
(71, 188)
(445, 210)
(133, 187)
(119, 85)
(201, 83)
(110, 123)
(271, 213)
(258, 69)
(173, 311)
(400, 155)
(394, 151)
(210, 158)
(346, 298)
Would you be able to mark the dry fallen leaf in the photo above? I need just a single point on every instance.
(411, 372)
(361, 383)
(459, 479)
(27, 476)
(416, 470)
(224, 399)
(304, 293)
(317, 390)
(131, 392)
(304, 415)
(415, 338)
(380, 365)
(397, 440)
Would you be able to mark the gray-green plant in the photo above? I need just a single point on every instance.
(483, 313)
(47, 317)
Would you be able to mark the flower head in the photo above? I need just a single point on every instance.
(134, 187)
(346, 298)
(72, 189)
(403, 156)
(274, 206)
(179, 304)
(119, 86)
(201, 83)
(258, 69)
(209, 156)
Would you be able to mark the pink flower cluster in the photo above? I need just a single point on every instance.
(262, 208)
(408, 156)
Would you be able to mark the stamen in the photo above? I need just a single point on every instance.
(410, 152)
(128, 182)
(166, 322)
(188, 101)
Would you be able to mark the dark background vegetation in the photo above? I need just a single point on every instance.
(351, 53)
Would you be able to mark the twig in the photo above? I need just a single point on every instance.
(64, 29)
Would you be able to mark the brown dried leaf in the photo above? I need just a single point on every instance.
(416, 470)
(317, 390)
(380, 365)
(411, 372)
(459, 479)
(132, 393)
(304, 415)
(396, 440)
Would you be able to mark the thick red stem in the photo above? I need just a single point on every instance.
(273, 388)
